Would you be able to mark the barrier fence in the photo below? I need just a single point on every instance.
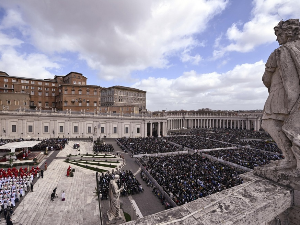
(165, 195)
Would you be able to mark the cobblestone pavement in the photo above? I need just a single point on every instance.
(81, 205)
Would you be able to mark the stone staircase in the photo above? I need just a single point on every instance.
(80, 207)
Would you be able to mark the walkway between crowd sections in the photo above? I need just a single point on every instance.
(147, 202)
(81, 205)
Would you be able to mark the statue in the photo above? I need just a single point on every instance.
(281, 115)
(115, 213)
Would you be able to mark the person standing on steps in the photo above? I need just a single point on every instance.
(63, 196)
(42, 173)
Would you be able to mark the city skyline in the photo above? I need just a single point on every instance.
(186, 55)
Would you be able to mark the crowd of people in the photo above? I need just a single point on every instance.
(196, 142)
(52, 144)
(263, 145)
(14, 184)
(189, 177)
(246, 157)
(127, 182)
(101, 147)
(148, 145)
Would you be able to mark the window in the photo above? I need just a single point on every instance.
(14, 128)
(14, 80)
(126, 130)
(75, 129)
(32, 82)
(79, 82)
(95, 92)
(46, 94)
(5, 85)
(53, 84)
(102, 130)
(40, 83)
(79, 103)
(53, 104)
(61, 129)
(32, 87)
(66, 91)
(25, 81)
(115, 130)
(47, 84)
(39, 88)
(30, 129)
(8, 102)
(40, 104)
(74, 82)
(40, 93)
(95, 103)
(53, 89)
(80, 92)
(137, 130)
(65, 103)
(46, 89)
(89, 130)
(53, 94)
(5, 80)
(46, 104)
(88, 104)
(46, 129)
(73, 92)
(87, 92)
(32, 92)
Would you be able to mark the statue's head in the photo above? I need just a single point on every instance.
(287, 31)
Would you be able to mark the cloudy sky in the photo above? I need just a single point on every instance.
(189, 54)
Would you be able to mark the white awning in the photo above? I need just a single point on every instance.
(22, 144)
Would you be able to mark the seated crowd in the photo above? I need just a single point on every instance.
(263, 145)
(52, 144)
(246, 157)
(127, 181)
(189, 177)
(196, 142)
(103, 148)
(147, 145)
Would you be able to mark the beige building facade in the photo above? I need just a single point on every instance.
(53, 124)
(70, 93)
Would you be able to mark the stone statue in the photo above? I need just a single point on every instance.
(281, 116)
(115, 214)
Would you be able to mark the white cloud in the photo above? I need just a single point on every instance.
(186, 57)
(115, 37)
(26, 65)
(239, 88)
(259, 30)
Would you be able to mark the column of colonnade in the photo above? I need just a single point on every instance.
(229, 122)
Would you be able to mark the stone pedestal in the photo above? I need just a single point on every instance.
(290, 179)
(116, 220)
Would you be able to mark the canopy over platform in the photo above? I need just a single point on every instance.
(23, 144)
